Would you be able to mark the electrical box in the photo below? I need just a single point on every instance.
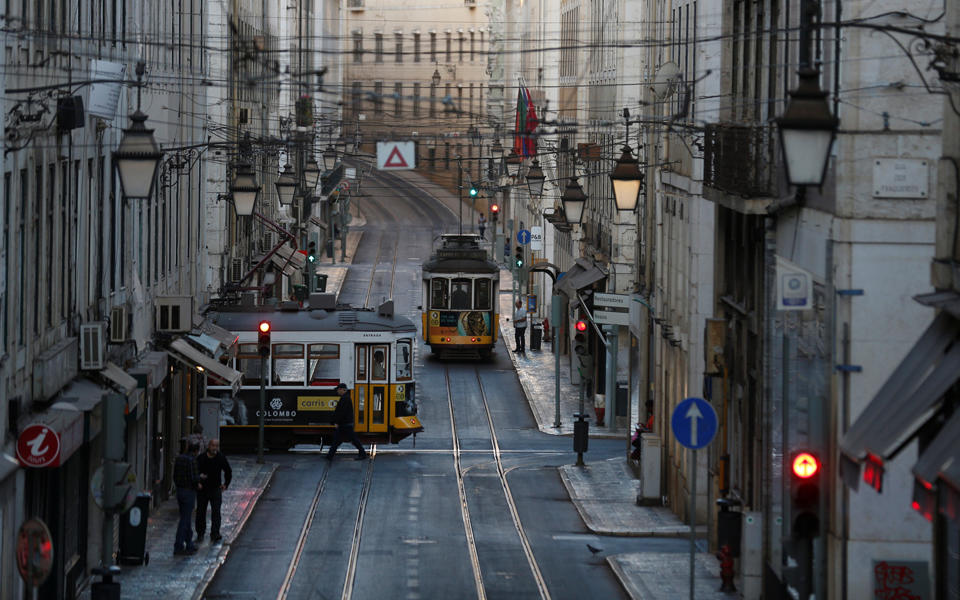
(649, 470)
(751, 555)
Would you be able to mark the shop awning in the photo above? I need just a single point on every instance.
(227, 339)
(942, 452)
(181, 350)
(294, 265)
(582, 274)
(904, 403)
(117, 376)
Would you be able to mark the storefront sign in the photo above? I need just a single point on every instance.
(38, 446)
(900, 178)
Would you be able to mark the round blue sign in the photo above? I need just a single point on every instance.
(694, 423)
(523, 236)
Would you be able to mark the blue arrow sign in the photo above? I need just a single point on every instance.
(694, 423)
(523, 236)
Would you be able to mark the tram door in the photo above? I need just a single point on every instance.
(372, 361)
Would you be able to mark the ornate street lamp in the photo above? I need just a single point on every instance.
(807, 130)
(573, 200)
(436, 77)
(329, 158)
(535, 179)
(137, 159)
(245, 190)
(287, 185)
(513, 163)
(311, 173)
(627, 181)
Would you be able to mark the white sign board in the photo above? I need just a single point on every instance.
(350, 172)
(611, 300)
(603, 317)
(105, 95)
(794, 287)
(396, 156)
(536, 238)
(900, 178)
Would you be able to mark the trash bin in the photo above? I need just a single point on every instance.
(729, 525)
(536, 335)
(321, 286)
(133, 533)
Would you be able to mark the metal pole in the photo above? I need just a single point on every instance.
(263, 404)
(460, 195)
(556, 315)
(693, 516)
(611, 376)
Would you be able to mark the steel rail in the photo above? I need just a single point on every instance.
(514, 514)
(351, 574)
(302, 540)
(464, 508)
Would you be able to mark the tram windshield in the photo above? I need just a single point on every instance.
(289, 366)
(481, 294)
(460, 295)
(438, 293)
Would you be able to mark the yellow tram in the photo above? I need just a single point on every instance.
(312, 350)
(460, 289)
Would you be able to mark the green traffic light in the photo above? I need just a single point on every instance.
(312, 258)
(474, 191)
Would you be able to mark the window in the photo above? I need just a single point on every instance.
(397, 99)
(378, 97)
(357, 47)
(481, 294)
(361, 364)
(472, 46)
(416, 47)
(433, 46)
(398, 53)
(378, 47)
(470, 106)
(356, 96)
(460, 294)
(438, 293)
(378, 366)
(248, 363)
(449, 46)
(324, 364)
(416, 99)
(433, 100)
(22, 255)
(289, 368)
(404, 359)
(460, 46)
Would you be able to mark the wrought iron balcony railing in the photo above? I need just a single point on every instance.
(741, 159)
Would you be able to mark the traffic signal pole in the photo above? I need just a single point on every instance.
(263, 405)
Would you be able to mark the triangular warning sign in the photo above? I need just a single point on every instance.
(399, 162)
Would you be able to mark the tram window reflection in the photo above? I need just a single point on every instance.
(438, 294)
(289, 366)
(460, 297)
(379, 368)
(324, 364)
(481, 294)
(248, 363)
(404, 359)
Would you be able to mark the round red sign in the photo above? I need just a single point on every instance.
(38, 446)
(34, 552)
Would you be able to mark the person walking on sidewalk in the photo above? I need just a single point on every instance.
(215, 476)
(197, 438)
(343, 418)
(520, 327)
(187, 479)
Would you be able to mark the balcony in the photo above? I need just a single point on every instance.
(741, 160)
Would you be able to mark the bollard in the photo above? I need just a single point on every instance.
(106, 588)
(581, 436)
(725, 556)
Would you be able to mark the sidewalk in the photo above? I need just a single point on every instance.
(169, 576)
(336, 272)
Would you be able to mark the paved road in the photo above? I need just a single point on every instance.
(473, 507)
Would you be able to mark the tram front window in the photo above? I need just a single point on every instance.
(404, 359)
(460, 297)
(481, 294)
(289, 366)
(438, 293)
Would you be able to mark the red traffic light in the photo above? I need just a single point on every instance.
(264, 327)
(805, 465)
(494, 208)
(581, 325)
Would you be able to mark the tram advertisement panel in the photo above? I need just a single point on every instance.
(283, 407)
(460, 323)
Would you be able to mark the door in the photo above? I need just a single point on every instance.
(371, 387)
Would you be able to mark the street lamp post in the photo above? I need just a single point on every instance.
(137, 159)
(807, 130)
(573, 200)
(245, 189)
(627, 181)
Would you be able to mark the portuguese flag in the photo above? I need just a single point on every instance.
(524, 142)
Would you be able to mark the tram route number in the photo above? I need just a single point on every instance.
(316, 403)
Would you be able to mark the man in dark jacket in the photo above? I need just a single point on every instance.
(187, 479)
(343, 418)
(215, 476)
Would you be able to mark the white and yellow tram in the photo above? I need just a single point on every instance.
(460, 289)
(312, 350)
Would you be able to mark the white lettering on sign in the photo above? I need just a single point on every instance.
(536, 238)
(603, 317)
(900, 178)
(611, 300)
